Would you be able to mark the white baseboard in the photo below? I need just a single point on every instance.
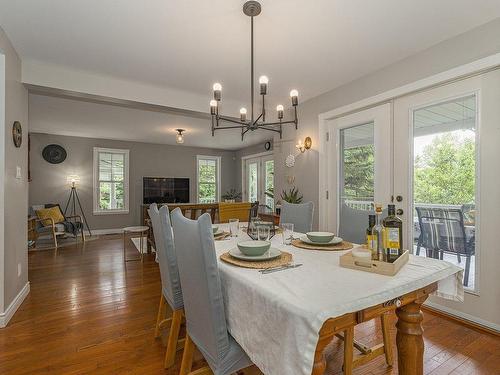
(106, 231)
(14, 305)
(462, 315)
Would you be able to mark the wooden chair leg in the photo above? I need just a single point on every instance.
(160, 316)
(348, 350)
(54, 236)
(386, 333)
(173, 337)
(187, 356)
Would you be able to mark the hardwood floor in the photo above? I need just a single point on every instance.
(88, 313)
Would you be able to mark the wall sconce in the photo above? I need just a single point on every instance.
(302, 147)
(179, 138)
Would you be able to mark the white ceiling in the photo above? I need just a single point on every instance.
(186, 45)
(313, 46)
(62, 116)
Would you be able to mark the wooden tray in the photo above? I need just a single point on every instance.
(375, 266)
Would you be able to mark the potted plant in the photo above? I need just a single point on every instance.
(292, 196)
(231, 196)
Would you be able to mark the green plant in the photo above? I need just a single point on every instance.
(292, 196)
(231, 194)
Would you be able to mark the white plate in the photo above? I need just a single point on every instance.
(266, 256)
(334, 241)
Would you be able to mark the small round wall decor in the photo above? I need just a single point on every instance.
(17, 133)
(54, 154)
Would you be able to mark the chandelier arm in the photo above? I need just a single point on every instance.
(243, 132)
(254, 124)
(263, 108)
(296, 117)
(229, 119)
(232, 127)
(270, 129)
(278, 123)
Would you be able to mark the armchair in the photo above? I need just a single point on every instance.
(72, 225)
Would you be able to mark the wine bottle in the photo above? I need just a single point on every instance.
(377, 233)
(393, 235)
(369, 236)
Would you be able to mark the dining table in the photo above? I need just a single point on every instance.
(284, 320)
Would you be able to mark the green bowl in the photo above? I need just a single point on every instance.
(215, 228)
(320, 237)
(254, 248)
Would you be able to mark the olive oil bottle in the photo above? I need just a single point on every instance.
(393, 235)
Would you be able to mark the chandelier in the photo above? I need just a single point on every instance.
(252, 9)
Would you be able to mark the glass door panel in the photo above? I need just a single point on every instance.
(252, 180)
(259, 180)
(362, 174)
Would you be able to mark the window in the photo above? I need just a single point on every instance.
(208, 179)
(111, 174)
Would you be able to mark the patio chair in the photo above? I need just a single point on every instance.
(442, 230)
(300, 215)
(203, 299)
(72, 225)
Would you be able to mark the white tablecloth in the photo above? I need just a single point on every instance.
(276, 317)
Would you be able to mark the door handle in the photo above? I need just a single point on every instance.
(399, 212)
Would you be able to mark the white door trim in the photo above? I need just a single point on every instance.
(458, 73)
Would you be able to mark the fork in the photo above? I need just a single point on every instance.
(279, 268)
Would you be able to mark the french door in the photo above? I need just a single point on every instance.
(258, 178)
(435, 155)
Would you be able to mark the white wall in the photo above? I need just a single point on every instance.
(15, 193)
(465, 48)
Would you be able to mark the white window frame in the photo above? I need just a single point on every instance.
(217, 160)
(97, 210)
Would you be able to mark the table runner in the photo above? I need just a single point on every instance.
(276, 317)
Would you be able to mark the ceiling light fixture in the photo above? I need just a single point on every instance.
(179, 138)
(252, 9)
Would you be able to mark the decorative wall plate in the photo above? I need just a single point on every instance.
(290, 161)
(17, 133)
(54, 154)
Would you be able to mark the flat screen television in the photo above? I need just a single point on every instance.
(165, 190)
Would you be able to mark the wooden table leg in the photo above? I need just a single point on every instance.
(409, 338)
(325, 337)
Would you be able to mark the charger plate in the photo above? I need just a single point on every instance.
(344, 245)
(284, 259)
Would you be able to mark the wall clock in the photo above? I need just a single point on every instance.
(17, 133)
(54, 154)
(267, 146)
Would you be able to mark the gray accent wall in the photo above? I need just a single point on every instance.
(465, 48)
(13, 191)
(48, 181)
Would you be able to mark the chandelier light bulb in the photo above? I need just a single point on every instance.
(213, 107)
(279, 108)
(263, 80)
(294, 94)
(243, 114)
(217, 91)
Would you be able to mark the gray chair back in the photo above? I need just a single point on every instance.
(353, 224)
(201, 285)
(167, 260)
(300, 215)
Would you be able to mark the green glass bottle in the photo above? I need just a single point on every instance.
(393, 235)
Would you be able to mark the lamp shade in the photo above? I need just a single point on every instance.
(73, 179)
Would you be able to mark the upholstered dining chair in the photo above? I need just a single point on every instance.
(171, 293)
(238, 210)
(300, 215)
(203, 300)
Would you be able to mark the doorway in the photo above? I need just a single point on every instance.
(258, 179)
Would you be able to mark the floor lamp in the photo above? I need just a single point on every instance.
(73, 200)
